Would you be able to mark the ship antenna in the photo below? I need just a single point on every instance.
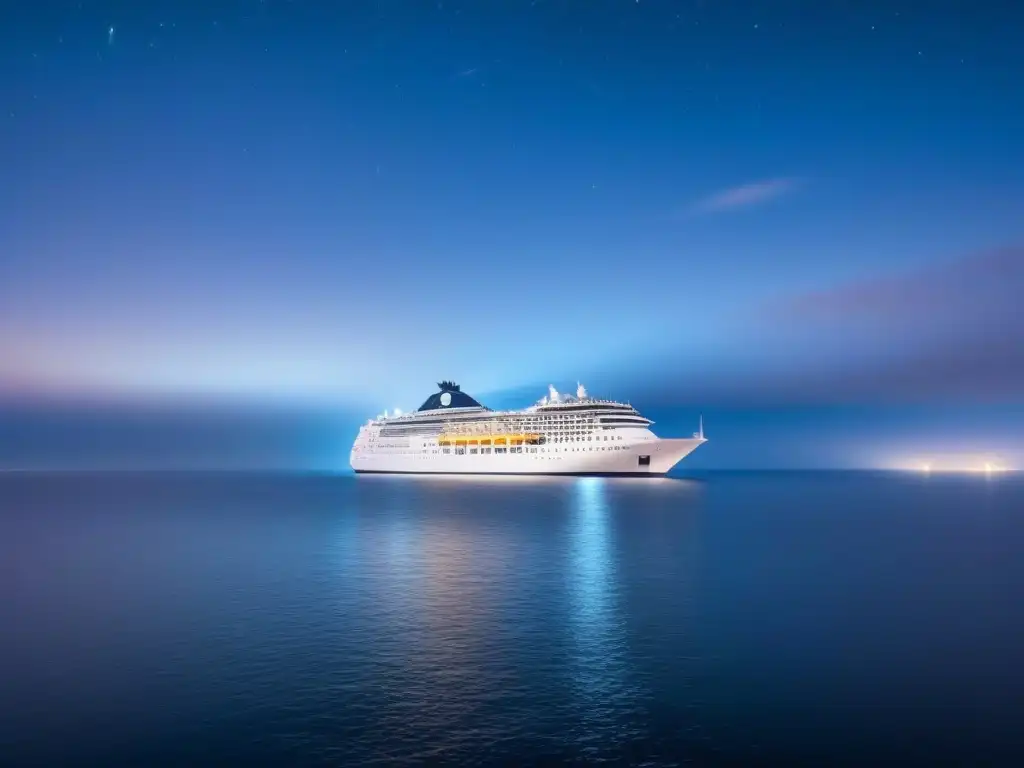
(702, 426)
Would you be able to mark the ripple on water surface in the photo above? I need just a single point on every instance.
(734, 619)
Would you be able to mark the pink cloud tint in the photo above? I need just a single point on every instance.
(963, 290)
(951, 329)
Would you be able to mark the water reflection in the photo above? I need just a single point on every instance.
(599, 661)
(433, 561)
(592, 563)
(479, 592)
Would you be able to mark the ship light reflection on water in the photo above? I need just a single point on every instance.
(600, 661)
(590, 550)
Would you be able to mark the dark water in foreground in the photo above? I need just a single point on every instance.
(735, 619)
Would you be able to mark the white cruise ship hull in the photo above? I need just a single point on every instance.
(651, 457)
(453, 434)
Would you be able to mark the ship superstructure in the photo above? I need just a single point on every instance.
(561, 434)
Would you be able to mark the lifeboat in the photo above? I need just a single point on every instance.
(516, 439)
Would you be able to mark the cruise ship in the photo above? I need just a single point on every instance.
(561, 434)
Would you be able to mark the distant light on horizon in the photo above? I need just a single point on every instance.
(967, 465)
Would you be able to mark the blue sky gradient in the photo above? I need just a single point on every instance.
(757, 208)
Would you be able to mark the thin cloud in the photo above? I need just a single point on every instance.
(745, 196)
(949, 329)
(973, 288)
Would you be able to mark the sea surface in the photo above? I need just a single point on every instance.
(726, 619)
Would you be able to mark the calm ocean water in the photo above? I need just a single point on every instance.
(734, 619)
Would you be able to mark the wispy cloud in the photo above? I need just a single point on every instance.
(969, 290)
(745, 195)
(952, 328)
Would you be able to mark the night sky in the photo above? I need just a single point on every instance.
(803, 219)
